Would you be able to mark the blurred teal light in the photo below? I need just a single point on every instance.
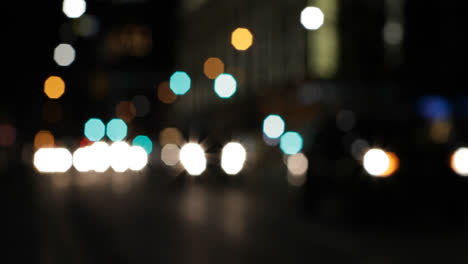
(273, 126)
(179, 82)
(116, 129)
(94, 129)
(225, 85)
(144, 142)
(291, 143)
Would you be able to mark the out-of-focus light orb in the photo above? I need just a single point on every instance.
(273, 126)
(241, 39)
(99, 156)
(393, 166)
(291, 143)
(170, 154)
(376, 162)
(180, 83)
(94, 129)
(165, 94)
(459, 161)
(434, 108)
(119, 156)
(44, 139)
(213, 67)
(126, 111)
(225, 85)
(7, 135)
(64, 54)
(393, 33)
(358, 148)
(54, 87)
(82, 159)
(345, 120)
(312, 18)
(233, 158)
(53, 160)
(86, 26)
(192, 157)
(116, 130)
(138, 158)
(171, 135)
(297, 164)
(142, 105)
(74, 8)
(144, 142)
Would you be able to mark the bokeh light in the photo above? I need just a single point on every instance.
(138, 158)
(64, 54)
(99, 156)
(119, 156)
(358, 148)
(192, 157)
(54, 87)
(144, 142)
(116, 130)
(165, 94)
(273, 126)
(393, 166)
(297, 164)
(74, 8)
(53, 160)
(213, 67)
(142, 105)
(180, 83)
(312, 18)
(225, 85)
(171, 135)
(7, 135)
(82, 159)
(44, 139)
(459, 161)
(126, 111)
(376, 162)
(52, 111)
(291, 143)
(94, 129)
(233, 157)
(434, 108)
(170, 154)
(241, 39)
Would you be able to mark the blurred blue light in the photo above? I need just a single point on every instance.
(94, 129)
(144, 142)
(225, 85)
(116, 129)
(291, 143)
(179, 82)
(434, 108)
(273, 126)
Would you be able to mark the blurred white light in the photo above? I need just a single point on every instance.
(138, 158)
(312, 18)
(192, 157)
(297, 164)
(64, 54)
(376, 162)
(170, 154)
(99, 156)
(119, 156)
(53, 160)
(80, 160)
(273, 126)
(233, 158)
(74, 8)
(393, 33)
(460, 161)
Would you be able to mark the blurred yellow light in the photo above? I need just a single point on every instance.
(171, 135)
(126, 111)
(393, 165)
(213, 67)
(54, 87)
(165, 94)
(44, 139)
(459, 161)
(241, 39)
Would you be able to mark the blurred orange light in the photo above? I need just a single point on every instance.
(44, 139)
(241, 39)
(165, 94)
(393, 165)
(213, 67)
(171, 135)
(126, 111)
(54, 87)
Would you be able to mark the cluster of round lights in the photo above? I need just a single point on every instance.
(95, 130)
(291, 142)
